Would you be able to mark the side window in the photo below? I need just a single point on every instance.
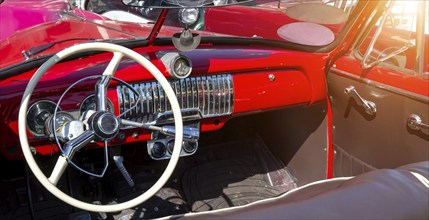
(345, 5)
(393, 42)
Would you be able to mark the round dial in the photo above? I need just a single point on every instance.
(182, 67)
(89, 104)
(158, 150)
(170, 146)
(61, 119)
(37, 115)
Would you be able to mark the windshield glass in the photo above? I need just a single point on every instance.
(313, 23)
(180, 3)
(56, 24)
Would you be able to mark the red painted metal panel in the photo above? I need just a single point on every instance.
(299, 79)
(385, 76)
(256, 92)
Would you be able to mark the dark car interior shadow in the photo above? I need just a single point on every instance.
(236, 165)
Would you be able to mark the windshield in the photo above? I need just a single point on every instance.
(311, 23)
(181, 3)
(56, 24)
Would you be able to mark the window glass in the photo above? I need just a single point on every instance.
(396, 43)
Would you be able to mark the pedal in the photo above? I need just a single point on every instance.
(119, 163)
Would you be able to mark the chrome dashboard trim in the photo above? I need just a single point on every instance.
(211, 95)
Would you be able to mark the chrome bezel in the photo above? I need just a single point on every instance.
(101, 127)
(37, 103)
(109, 103)
(48, 128)
(181, 16)
(173, 63)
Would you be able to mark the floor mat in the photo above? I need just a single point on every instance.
(167, 201)
(247, 174)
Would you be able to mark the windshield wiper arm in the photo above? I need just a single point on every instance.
(38, 49)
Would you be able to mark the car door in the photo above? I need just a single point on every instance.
(379, 93)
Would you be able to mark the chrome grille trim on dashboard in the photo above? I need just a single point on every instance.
(212, 95)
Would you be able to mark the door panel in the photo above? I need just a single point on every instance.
(382, 69)
(382, 140)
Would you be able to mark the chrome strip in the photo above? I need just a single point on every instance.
(142, 98)
(230, 94)
(137, 109)
(200, 93)
(176, 86)
(145, 101)
(126, 100)
(181, 94)
(382, 85)
(189, 93)
(161, 99)
(167, 103)
(149, 98)
(209, 95)
(194, 91)
(143, 108)
(214, 94)
(224, 92)
(132, 102)
(155, 97)
(120, 101)
(206, 96)
(219, 93)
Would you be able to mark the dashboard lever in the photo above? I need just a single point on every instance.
(119, 162)
(189, 134)
(370, 107)
(415, 122)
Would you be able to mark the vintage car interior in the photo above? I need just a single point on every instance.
(223, 109)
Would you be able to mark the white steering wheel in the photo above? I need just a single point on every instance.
(94, 132)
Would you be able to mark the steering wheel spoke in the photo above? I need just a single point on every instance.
(72, 146)
(58, 170)
(101, 93)
(103, 83)
(113, 65)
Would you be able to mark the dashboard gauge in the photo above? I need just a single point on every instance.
(89, 104)
(37, 115)
(61, 119)
(178, 65)
(181, 67)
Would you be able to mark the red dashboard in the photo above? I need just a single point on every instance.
(262, 79)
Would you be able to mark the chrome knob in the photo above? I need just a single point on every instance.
(415, 122)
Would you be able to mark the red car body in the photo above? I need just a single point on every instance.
(290, 96)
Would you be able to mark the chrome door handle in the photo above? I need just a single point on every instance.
(370, 107)
(415, 122)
